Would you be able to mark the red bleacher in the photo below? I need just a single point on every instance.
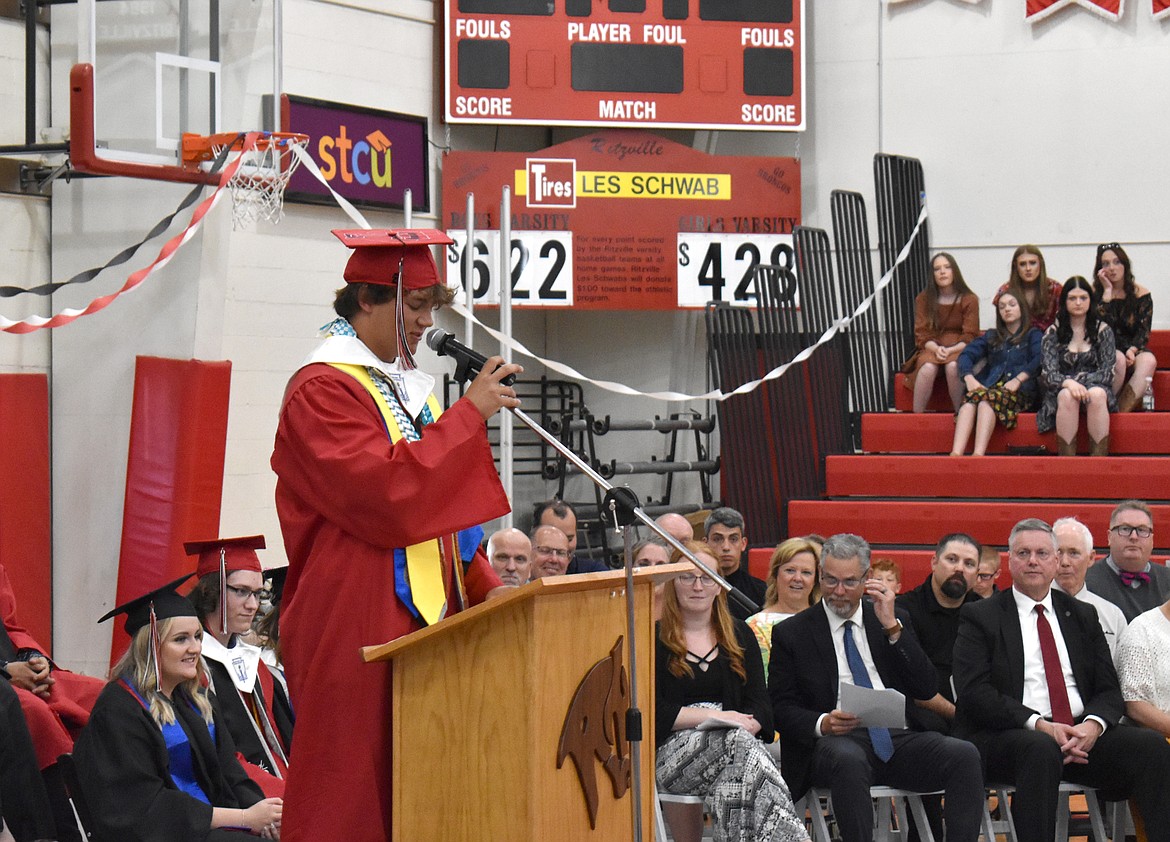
(934, 432)
(1037, 477)
(941, 402)
(903, 492)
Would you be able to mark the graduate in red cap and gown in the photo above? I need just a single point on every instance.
(253, 700)
(156, 762)
(380, 501)
(56, 702)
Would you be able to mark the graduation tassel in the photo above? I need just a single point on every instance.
(405, 358)
(155, 650)
(223, 621)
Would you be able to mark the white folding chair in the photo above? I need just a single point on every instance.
(1067, 790)
(818, 800)
(683, 814)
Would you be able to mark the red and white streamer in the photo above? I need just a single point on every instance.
(165, 254)
(1160, 9)
(1036, 10)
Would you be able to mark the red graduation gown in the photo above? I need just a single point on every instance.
(346, 497)
(53, 722)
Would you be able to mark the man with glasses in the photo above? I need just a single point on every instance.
(1126, 577)
(1037, 693)
(563, 516)
(1074, 555)
(988, 572)
(845, 639)
(254, 704)
(550, 552)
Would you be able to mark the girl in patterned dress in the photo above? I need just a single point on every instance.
(1077, 360)
(713, 714)
(1006, 385)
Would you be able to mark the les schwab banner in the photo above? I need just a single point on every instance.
(620, 220)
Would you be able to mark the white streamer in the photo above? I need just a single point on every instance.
(620, 388)
(308, 163)
(717, 394)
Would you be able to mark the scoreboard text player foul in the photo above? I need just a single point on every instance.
(699, 64)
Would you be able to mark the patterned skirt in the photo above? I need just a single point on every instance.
(748, 799)
(1007, 404)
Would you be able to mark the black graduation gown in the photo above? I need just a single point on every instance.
(122, 761)
(22, 789)
(239, 720)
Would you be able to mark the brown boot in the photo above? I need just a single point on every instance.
(1128, 400)
(1099, 448)
(1066, 448)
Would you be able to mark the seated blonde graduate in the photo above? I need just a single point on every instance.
(156, 762)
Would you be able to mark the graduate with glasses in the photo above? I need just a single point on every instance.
(254, 702)
(712, 715)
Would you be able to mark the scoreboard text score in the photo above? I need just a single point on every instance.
(697, 64)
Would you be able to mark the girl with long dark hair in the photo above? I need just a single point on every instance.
(1078, 356)
(1129, 310)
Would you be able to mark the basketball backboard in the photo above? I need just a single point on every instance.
(161, 68)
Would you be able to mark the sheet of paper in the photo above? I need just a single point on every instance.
(875, 708)
(715, 722)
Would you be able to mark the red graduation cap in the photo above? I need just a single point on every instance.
(226, 555)
(378, 254)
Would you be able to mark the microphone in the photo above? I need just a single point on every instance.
(468, 363)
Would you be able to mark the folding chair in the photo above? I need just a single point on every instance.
(818, 801)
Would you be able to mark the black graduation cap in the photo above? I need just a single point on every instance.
(166, 601)
(276, 575)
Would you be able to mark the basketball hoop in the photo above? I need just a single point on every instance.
(266, 163)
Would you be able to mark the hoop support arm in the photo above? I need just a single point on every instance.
(83, 143)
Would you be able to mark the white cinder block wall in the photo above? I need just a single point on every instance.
(1050, 133)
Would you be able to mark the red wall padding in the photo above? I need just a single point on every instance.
(25, 514)
(174, 472)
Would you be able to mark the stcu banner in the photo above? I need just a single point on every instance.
(620, 220)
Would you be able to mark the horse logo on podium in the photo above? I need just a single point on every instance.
(595, 728)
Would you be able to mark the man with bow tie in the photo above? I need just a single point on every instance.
(1127, 577)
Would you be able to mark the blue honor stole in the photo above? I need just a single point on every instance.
(182, 764)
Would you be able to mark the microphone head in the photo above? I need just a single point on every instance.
(436, 339)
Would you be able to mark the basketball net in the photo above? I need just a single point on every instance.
(266, 165)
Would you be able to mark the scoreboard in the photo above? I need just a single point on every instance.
(690, 64)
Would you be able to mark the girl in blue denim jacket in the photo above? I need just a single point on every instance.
(1006, 384)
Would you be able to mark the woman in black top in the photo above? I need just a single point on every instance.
(712, 712)
(1128, 308)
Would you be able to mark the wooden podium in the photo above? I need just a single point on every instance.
(481, 701)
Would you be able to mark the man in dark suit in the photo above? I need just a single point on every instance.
(817, 651)
(1040, 699)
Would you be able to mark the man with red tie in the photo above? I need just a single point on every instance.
(1037, 693)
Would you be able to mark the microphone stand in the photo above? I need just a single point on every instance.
(623, 508)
